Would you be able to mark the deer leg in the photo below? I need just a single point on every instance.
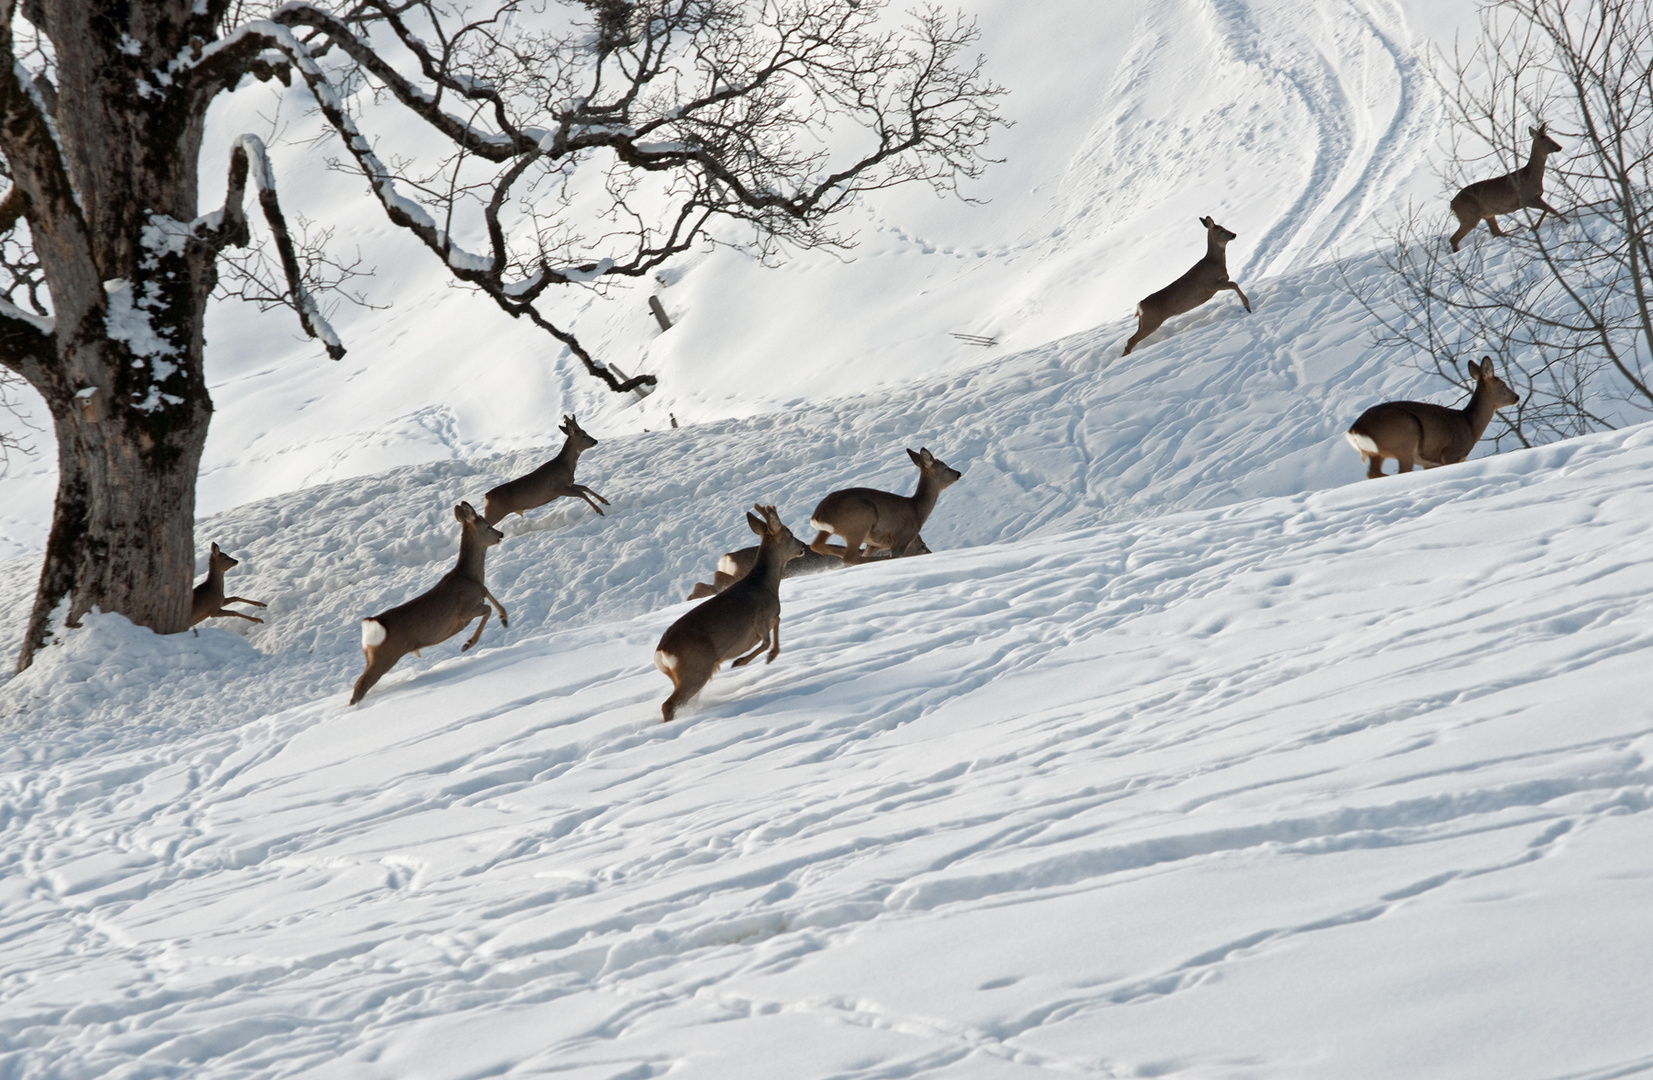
(1146, 326)
(688, 674)
(820, 546)
(1244, 299)
(483, 610)
(1539, 202)
(503, 621)
(775, 634)
(244, 600)
(1464, 229)
(379, 661)
(853, 541)
(1374, 466)
(577, 491)
(763, 643)
(593, 494)
(237, 614)
(1492, 223)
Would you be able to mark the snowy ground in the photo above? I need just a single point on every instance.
(1188, 754)
(1346, 784)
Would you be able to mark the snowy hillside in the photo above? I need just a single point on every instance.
(1189, 753)
(1290, 121)
(1347, 784)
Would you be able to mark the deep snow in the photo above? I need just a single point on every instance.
(1189, 753)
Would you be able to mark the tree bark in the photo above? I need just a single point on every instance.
(108, 187)
(122, 534)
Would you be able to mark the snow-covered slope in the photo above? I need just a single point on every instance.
(1346, 784)
(1291, 121)
(1222, 407)
(1188, 754)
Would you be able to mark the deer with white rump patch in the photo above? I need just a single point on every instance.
(881, 520)
(552, 480)
(209, 595)
(1416, 432)
(1203, 280)
(746, 615)
(439, 614)
(1520, 190)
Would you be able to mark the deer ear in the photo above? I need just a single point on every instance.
(1207, 221)
(1475, 369)
(465, 512)
(215, 549)
(754, 523)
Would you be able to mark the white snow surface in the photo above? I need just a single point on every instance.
(1189, 753)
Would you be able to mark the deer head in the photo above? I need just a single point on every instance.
(576, 434)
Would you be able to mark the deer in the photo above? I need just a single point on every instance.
(881, 520)
(746, 615)
(737, 564)
(438, 614)
(1203, 280)
(209, 599)
(552, 480)
(1484, 200)
(1416, 432)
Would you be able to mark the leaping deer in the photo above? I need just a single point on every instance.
(1203, 280)
(438, 614)
(881, 520)
(1519, 190)
(1419, 433)
(746, 615)
(552, 480)
(209, 598)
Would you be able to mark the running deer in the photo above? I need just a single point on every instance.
(209, 595)
(746, 615)
(439, 614)
(737, 564)
(1519, 190)
(1204, 280)
(881, 520)
(1416, 432)
(552, 480)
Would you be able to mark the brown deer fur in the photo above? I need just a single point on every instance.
(552, 480)
(746, 615)
(881, 520)
(209, 595)
(438, 614)
(1418, 433)
(737, 564)
(1203, 280)
(1519, 190)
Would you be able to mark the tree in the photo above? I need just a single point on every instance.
(1565, 307)
(588, 142)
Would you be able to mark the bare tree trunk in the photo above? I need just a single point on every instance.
(122, 534)
(108, 179)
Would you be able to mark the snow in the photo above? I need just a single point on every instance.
(1189, 753)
